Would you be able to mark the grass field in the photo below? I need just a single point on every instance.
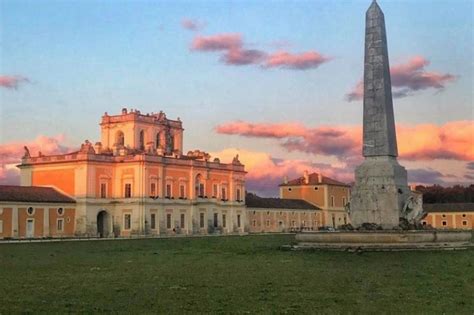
(229, 275)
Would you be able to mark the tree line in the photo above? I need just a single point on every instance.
(440, 194)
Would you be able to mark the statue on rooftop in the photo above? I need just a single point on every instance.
(27, 154)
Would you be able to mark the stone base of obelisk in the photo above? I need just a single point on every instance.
(379, 193)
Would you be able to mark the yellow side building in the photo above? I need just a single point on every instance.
(329, 195)
(449, 215)
(276, 215)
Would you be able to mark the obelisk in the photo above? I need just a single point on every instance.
(381, 188)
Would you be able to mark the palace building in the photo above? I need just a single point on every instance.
(276, 215)
(35, 212)
(327, 194)
(136, 181)
(449, 215)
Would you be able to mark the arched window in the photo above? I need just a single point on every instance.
(171, 144)
(142, 140)
(120, 138)
(199, 186)
(158, 136)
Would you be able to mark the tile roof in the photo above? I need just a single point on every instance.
(32, 194)
(254, 201)
(314, 180)
(448, 207)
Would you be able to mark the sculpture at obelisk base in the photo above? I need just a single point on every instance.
(381, 188)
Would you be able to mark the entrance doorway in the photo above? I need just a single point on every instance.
(103, 222)
(30, 228)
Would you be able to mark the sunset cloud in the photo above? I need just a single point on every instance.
(238, 56)
(408, 78)
(262, 130)
(357, 92)
(452, 140)
(11, 153)
(192, 25)
(265, 172)
(12, 82)
(412, 75)
(302, 61)
(425, 176)
(234, 51)
(217, 42)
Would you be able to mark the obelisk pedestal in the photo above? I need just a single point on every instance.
(381, 187)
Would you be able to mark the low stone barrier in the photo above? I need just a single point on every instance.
(385, 236)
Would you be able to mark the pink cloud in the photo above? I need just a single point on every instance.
(12, 82)
(407, 78)
(357, 92)
(302, 61)
(217, 42)
(296, 137)
(192, 25)
(235, 52)
(238, 56)
(11, 153)
(262, 130)
(452, 140)
(413, 75)
(265, 172)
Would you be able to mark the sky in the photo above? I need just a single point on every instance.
(278, 82)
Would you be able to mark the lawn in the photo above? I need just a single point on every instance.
(229, 275)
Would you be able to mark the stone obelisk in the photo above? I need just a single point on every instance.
(381, 188)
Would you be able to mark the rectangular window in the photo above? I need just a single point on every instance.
(60, 225)
(224, 221)
(103, 190)
(201, 220)
(464, 222)
(238, 220)
(181, 191)
(214, 191)
(168, 220)
(127, 221)
(183, 222)
(153, 221)
(444, 223)
(153, 189)
(1, 226)
(254, 222)
(201, 190)
(168, 190)
(223, 194)
(268, 222)
(343, 201)
(238, 194)
(332, 201)
(128, 190)
(216, 223)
